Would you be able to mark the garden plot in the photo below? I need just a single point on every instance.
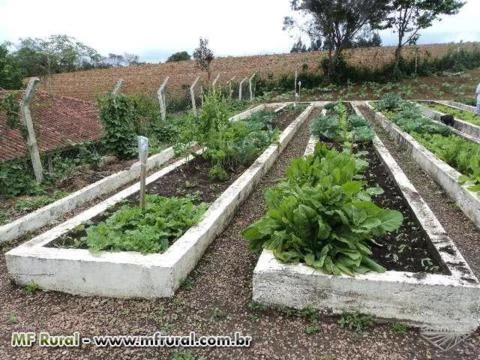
(56, 259)
(51, 212)
(459, 177)
(466, 122)
(442, 297)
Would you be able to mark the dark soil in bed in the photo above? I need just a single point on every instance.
(409, 248)
(191, 178)
(286, 116)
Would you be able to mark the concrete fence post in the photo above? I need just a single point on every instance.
(230, 88)
(31, 138)
(161, 99)
(240, 88)
(192, 95)
(118, 87)
(215, 81)
(250, 86)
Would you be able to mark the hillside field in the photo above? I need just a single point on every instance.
(87, 85)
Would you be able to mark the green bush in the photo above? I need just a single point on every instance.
(117, 113)
(323, 216)
(227, 144)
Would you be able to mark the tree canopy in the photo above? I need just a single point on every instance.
(204, 56)
(337, 22)
(179, 56)
(408, 17)
(10, 73)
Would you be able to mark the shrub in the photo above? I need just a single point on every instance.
(117, 113)
(227, 145)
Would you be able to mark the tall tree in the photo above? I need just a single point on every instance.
(57, 53)
(409, 17)
(204, 56)
(337, 22)
(10, 74)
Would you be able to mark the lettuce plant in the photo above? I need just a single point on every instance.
(323, 215)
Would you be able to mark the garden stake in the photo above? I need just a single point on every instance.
(143, 153)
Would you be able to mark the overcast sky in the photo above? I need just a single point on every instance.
(154, 29)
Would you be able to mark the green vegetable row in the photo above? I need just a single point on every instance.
(460, 153)
(322, 215)
(338, 126)
(228, 144)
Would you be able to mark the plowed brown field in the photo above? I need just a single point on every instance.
(88, 85)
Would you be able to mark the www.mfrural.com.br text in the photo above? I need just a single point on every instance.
(45, 339)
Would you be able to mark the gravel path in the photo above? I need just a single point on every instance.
(215, 299)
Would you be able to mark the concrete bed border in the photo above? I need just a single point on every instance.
(457, 105)
(47, 214)
(131, 274)
(421, 300)
(446, 176)
(460, 127)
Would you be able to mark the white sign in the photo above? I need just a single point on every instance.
(142, 144)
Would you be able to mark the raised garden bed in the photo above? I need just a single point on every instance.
(131, 274)
(465, 122)
(446, 176)
(446, 299)
(49, 213)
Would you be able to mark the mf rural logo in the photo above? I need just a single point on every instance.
(28, 339)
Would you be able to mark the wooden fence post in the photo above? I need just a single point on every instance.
(192, 95)
(161, 99)
(31, 139)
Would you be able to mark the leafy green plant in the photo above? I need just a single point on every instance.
(456, 151)
(184, 356)
(3, 216)
(338, 126)
(389, 102)
(148, 231)
(399, 329)
(16, 178)
(323, 216)
(31, 288)
(227, 144)
(355, 321)
(35, 202)
(117, 113)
